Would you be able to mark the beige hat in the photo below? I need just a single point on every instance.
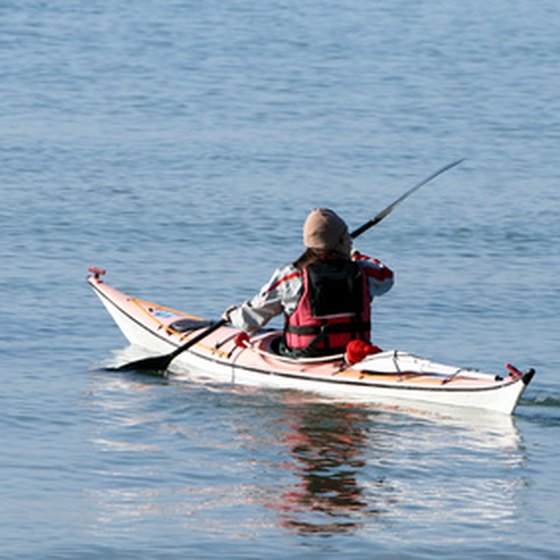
(323, 229)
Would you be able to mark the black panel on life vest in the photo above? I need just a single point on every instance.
(336, 287)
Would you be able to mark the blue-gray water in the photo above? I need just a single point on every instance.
(180, 145)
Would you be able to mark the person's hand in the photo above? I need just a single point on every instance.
(226, 314)
(357, 256)
(242, 340)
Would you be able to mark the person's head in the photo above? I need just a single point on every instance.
(326, 232)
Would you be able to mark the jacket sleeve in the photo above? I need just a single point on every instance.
(380, 277)
(280, 294)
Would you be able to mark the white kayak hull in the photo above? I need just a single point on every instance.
(394, 377)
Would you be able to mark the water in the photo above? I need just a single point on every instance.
(180, 145)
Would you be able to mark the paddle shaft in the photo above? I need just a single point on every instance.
(384, 213)
(160, 363)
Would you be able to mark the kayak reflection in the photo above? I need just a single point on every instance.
(216, 458)
(361, 467)
(328, 446)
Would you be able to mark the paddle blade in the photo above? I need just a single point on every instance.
(161, 363)
(152, 363)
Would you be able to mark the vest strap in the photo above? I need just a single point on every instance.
(337, 328)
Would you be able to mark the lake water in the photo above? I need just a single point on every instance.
(180, 145)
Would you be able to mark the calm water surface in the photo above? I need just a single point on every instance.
(180, 145)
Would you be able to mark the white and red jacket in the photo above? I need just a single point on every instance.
(288, 292)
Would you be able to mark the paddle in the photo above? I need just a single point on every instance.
(384, 213)
(160, 363)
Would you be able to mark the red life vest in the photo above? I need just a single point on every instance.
(333, 309)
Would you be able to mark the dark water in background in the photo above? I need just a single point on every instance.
(180, 145)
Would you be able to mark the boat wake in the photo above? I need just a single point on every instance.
(542, 401)
(543, 410)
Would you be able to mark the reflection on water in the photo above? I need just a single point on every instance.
(328, 447)
(228, 459)
(360, 467)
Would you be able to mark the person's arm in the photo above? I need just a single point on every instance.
(380, 277)
(279, 294)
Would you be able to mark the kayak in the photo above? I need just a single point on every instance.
(392, 377)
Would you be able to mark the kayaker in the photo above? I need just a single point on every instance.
(325, 295)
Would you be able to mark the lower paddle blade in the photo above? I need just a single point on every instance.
(161, 363)
(154, 363)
